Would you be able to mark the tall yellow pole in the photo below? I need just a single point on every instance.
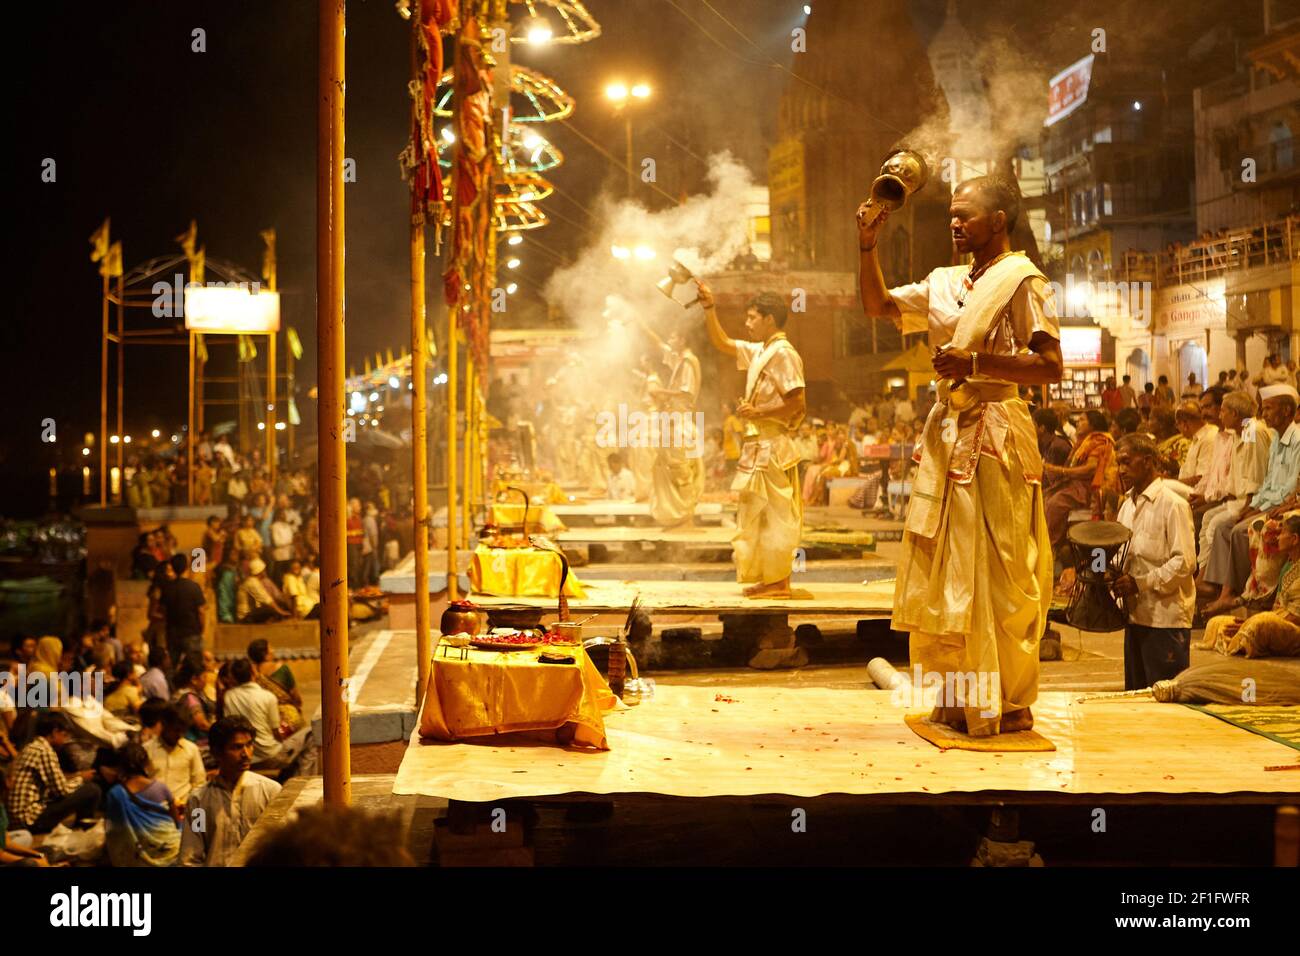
(330, 375)
(103, 406)
(288, 392)
(121, 383)
(191, 436)
(453, 347)
(419, 426)
(466, 483)
(271, 453)
(199, 368)
(480, 492)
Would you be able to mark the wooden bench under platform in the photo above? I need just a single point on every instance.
(763, 621)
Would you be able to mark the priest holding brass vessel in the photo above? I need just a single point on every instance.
(975, 573)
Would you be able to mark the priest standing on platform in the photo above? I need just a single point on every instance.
(678, 473)
(975, 573)
(769, 516)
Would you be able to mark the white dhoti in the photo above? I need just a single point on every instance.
(769, 515)
(975, 595)
(678, 482)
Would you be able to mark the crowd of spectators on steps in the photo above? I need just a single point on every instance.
(168, 746)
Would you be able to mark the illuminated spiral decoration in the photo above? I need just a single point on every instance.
(526, 150)
(534, 97)
(538, 27)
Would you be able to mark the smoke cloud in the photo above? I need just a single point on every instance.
(704, 233)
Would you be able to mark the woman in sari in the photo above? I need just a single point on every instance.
(190, 698)
(1273, 633)
(49, 653)
(140, 815)
(279, 680)
(155, 635)
(844, 461)
(1080, 483)
(817, 466)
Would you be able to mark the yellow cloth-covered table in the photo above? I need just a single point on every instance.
(539, 492)
(520, 572)
(501, 692)
(541, 519)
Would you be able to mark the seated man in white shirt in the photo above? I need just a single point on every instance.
(1158, 572)
(220, 814)
(176, 761)
(622, 483)
(258, 706)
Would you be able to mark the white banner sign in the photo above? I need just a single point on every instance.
(1068, 90)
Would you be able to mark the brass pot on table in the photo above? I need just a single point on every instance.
(463, 616)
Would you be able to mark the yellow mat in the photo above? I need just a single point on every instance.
(740, 739)
(945, 738)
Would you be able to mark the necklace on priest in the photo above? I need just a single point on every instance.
(972, 276)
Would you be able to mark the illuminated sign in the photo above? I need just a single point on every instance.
(1068, 90)
(231, 309)
(1081, 345)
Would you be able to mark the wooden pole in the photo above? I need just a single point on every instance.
(103, 406)
(420, 455)
(419, 424)
(191, 437)
(200, 367)
(330, 377)
(289, 397)
(453, 347)
(121, 383)
(271, 448)
(466, 483)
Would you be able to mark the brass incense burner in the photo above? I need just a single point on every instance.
(903, 173)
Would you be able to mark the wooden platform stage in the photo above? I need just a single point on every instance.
(744, 740)
(706, 538)
(873, 600)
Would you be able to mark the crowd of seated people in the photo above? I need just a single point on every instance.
(1231, 453)
(165, 743)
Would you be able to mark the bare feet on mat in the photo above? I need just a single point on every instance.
(1016, 720)
(778, 589)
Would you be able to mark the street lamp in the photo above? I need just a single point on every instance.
(621, 96)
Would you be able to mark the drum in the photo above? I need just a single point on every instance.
(1100, 549)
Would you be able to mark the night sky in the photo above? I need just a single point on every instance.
(152, 134)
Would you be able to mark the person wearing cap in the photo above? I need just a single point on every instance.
(1229, 564)
(255, 602)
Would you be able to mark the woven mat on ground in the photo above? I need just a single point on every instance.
(1276, 723)
(945, 738)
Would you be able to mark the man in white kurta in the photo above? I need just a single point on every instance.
(975, 573)
(769, 513)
